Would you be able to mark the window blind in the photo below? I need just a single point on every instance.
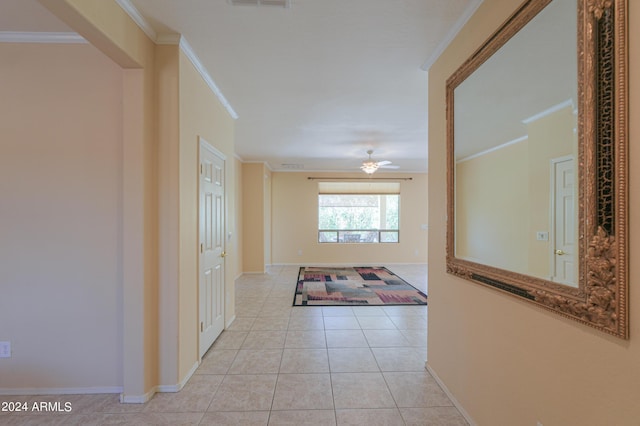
(358, 187)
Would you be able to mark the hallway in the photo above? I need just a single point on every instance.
(279, 365)
(283, 365)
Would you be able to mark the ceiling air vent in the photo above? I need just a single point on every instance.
(279, 3)
(292, 166)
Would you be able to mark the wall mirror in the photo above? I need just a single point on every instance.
(537, 168)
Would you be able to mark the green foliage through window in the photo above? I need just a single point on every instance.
(358, 213)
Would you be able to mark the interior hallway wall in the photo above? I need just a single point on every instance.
(508, 362)
(295, 224)
(239, 213)
(201, 116)
(61, 218)
(146, 361)
(106, 26)
(254, 217)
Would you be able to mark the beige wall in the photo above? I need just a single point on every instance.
(268, 178)
(492, 208)
(254, 217)
(201, 116)
(168, 90)
(105, 25)
(187, 111)
(295, 224)
(164, 106)
(503, 198)
(238, 209)
(550, 137)
(61, 209)
(508, 362)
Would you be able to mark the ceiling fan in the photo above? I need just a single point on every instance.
(369, 166)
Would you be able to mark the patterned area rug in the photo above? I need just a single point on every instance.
(354, 286)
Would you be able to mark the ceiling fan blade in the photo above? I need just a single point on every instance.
(383, 163)
(389, 167)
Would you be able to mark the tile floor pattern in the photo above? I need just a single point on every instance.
(284, 365)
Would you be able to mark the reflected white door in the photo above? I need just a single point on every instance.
(211, 222)
(564, 218)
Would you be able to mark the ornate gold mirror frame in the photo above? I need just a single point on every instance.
(600, 298)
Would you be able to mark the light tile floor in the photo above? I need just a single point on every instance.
(284, 365)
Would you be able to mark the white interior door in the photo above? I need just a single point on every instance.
(564, 221)
(211, 222)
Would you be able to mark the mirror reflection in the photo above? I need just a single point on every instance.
(516, 152)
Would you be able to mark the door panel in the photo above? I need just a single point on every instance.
(212, 219)
(564, 218)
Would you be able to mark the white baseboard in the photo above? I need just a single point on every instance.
(231, 320)
(126, 399)
(60, 391)
(138, 399)
(178, 387)
(141, 399)
(453, 399)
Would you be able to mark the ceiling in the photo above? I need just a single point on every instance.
(28, 16)
(534, 74)
(315, 85)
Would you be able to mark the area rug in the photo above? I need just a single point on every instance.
(354, 286)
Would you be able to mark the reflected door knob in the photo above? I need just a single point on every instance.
(559, 252)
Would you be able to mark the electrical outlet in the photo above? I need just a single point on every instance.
(5, 349)
(300, 252)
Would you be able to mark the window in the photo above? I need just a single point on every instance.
(356, 212)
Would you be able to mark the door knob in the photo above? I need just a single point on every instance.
(559, 252)
(223, 254)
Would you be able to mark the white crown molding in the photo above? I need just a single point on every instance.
(188, 51)
(137, 17)
(144, 25)
(265, 163)
(453, 32)
(41, 37)
(566, 104)
(495, 148)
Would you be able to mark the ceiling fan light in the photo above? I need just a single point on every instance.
(369, 167)
(281, 3)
